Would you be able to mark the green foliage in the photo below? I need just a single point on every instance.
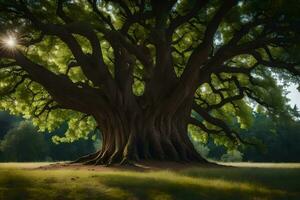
(202, 149)
(275, 141)
(79, 126)
(197, 134)
(20, 141)
(232, 156)
(279, 138)
(23, 144)
(268, 85)
(7, 122)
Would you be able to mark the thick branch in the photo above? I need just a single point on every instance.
(59, 87)
(216, 121)
(60, 12)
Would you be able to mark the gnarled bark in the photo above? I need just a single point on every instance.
(127, 138)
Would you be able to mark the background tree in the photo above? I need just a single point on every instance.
(277, 141)
(20, 141)
(7, 122)
(280, 140)
(23, 144)
(70, 150)
(142, 71)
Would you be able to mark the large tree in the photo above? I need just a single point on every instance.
(143, 71)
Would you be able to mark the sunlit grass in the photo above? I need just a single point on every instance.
(197, 183)
(24, 165)
(262, 165)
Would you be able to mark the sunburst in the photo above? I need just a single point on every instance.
(9, 42)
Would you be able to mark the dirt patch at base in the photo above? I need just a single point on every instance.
(139, 166)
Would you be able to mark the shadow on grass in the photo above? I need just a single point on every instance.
(193, 184)
(144, 187)
(14, 187)
(286, 179)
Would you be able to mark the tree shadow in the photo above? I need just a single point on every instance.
(14, 187)
(19, 187)
(187, 185)
(154, 188)
(269, 177)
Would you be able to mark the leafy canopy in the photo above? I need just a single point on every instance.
(251, 51)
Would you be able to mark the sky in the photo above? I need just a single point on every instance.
(294, 95)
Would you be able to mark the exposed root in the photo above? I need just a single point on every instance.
(85, 158)
(98, 158)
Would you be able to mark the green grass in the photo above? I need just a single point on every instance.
(19, 181)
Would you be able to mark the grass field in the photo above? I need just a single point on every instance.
(247, 181)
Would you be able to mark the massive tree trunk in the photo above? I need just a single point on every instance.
(151, 126)
(150, 135)
(164, 45)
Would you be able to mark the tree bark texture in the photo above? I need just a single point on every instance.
(150, 135)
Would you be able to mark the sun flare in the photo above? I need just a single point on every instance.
(10, 41)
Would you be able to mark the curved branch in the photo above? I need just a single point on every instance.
(291, 67)
(203, 127)
(217, 122)
(178, 21)
(60, 12)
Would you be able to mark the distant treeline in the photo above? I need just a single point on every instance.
(20, 141)
(276, 141)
